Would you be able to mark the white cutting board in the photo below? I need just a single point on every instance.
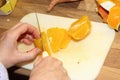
(84, 59)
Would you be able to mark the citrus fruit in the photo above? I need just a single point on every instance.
(46, 42)
(58, 38)
(38, 43)
(43, 43)
(65, 41)
(80, 28)
(114, 17)
(103, 13)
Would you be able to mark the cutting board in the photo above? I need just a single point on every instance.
(83, 59)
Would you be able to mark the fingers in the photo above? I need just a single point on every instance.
(52, 4)
(47, 62)
(27, 56)
(26, 39)
(55, 2)
(44, 54)
(22, 28)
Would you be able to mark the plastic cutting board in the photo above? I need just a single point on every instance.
(84, 59)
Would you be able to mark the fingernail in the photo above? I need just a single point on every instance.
(38, 50)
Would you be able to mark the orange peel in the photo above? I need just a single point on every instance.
(114, 17)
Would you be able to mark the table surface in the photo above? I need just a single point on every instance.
(111, 67)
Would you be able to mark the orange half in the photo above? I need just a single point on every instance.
(80, 28)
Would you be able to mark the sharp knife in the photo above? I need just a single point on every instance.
(45, 37)
(38, 25)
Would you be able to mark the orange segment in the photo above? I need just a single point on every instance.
(80, 28)
(43, 43)
(65, 41)
(56, 36)
(38, 43)
(114, 17)
(46, 44)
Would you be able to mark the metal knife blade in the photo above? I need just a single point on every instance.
(38, 23)
(44, 38)
(39, 29)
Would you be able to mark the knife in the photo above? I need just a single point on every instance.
(44, 40)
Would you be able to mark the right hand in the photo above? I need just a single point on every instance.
(49, 68)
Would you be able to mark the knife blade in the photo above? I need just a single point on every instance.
(38, 42)
(37, 20)
(43, 38)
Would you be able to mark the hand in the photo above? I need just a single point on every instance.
(9, 53)
(55, 2)
(49, 68)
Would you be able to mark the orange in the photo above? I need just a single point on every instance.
(58, 38)
(80, 28)
(65, 41)
(114, 17)
(103, 13)
(43, 43)
(38, 43)
(102, 1)
(115, 1)
(46, 42)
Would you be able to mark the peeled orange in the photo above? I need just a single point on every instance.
(46, 42)
(43, 43)
(114, 17)
(38, 43)
(80, 28)
(58, 38)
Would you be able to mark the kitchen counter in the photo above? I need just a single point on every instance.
(111, 67)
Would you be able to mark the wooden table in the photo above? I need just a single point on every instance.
(111, 67)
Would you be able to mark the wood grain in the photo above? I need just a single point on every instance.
(111, 67)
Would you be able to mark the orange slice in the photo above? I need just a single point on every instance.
(65, 41)
(46, 43)
(38, 43)
(58, 38)
(43, 43)
(114, 17)
(80, 28)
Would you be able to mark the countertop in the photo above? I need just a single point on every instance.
(111, 67)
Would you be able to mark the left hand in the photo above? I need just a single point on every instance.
(55, 2)
(9, 53)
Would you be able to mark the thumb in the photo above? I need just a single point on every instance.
(29, 55)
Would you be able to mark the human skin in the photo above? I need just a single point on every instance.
(49, 68)
(9, 53)
(55, 2)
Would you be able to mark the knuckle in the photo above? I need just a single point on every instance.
(8, 35)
